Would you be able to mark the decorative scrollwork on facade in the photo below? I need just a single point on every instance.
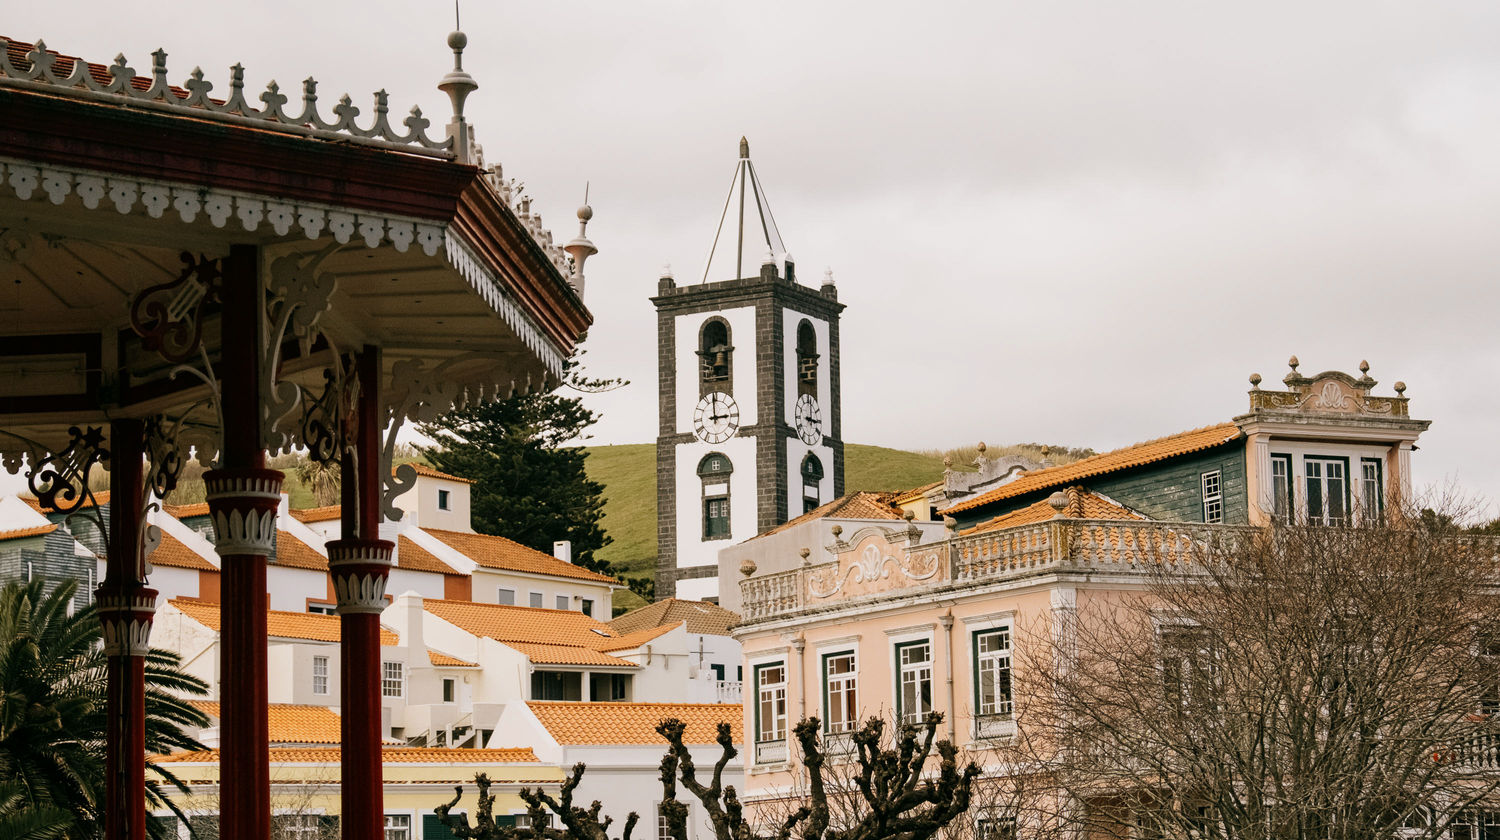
(60, 480)
(329, 419)
(870, 566)
(169, 316)
(164, 455)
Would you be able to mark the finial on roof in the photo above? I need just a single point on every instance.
(981, 447)
(1400, 389)
(458, 85)
(768, 259)
(744, 148)
(908, 514)
(580, 249)
(947, 462)
(1058, 502)
(804, 554)
(748, 567)
(666, 271)
(1292, 363)
(1364, 366)
(828, 276)
(1255, 381)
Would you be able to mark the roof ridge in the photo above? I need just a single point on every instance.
(426, 601)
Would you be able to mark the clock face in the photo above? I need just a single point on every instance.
(717, 418)
(809, 420)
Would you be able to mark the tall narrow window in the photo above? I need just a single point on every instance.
(1189, 669)
(1371, 492)
(1213, 496)
(840, 699)
(1281, 488)
(992, 671)
(391, 682)
(714, 471)
(807, 359)
(588, 607)
(1327, 490)
(914, 662)
(444, 500)
(320, 675)
(450, 689)
(714, 356)
(770, 703)
(812, 478)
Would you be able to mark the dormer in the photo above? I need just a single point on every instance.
(436, 500)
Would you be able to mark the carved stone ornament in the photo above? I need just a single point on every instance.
(1330, 392)
(871, 565)
(243, 506)
(127, 620)
(359, 569)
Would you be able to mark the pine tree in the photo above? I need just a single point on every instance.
(530, 484)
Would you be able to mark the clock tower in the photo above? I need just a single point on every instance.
(750, 432)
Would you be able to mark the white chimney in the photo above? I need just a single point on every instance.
(563, 550)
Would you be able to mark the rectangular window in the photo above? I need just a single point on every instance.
(992, 671)
(1327, 491)
(716, 518)
(1476, 825)
(556, 685)
(770, 702)
(536, 599)
(397, 827)
(718, 670)
(663, 825)
(295, 826)
(391, 682)
(840, 697)
(1281, 488)
(914, 663)
(524, 820)
(506, 596)
(588, 607)
(809, 503)
(320, 675)
(1189, 674)
(1213, 496)
(562, 602)
(1371, 493)
(450, 689)
(321, 608)
(443, 500)
(993, 826)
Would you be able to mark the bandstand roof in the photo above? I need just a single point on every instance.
(380, 234)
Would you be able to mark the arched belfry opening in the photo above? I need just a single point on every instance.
(807, 359)
(715, 354)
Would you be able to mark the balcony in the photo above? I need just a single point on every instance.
(727, 691)
(770, 752)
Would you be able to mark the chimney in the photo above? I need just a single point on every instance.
(408, 621)
(563, 550)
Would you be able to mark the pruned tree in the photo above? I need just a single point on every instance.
(901, 796)
(1317, 683)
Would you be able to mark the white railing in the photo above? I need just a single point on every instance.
(770, 752)
(1059, 544)
(728, 691)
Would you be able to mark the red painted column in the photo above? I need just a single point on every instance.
(360, 562)
(125, 608)
(242, 498)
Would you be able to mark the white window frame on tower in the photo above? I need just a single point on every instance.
(715, 480)
(1212, 484)
(320, 675)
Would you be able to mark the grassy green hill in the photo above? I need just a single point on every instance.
(628, 473)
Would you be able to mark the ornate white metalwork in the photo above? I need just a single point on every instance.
(155, 198)
(44, 70)
(493, 291)
(297, 297)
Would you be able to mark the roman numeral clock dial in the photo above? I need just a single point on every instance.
(809, 420)
(717, 418)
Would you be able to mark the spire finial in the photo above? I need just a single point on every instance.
(458, 85)
(580, 249)
(744, 148)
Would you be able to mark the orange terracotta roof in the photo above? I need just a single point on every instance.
(1082, 504)
(389, 755)
(33, 531)
(313, 627)
(700, 616)
(101, 496)
(429, 472)
(317, 514)
(635, 723)
(296, 554)
(543, 654)
(553, 637)
(500, 553)
(446, 661)
(1140, 454)
(174, 553)
(628, 641)
(915, 493)
(185, 511)
(292, 724)
(860, 504)
(415, 558)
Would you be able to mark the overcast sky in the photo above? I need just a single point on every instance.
(1077, 223)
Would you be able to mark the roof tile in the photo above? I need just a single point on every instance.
(1082, 504)
(494, 552)
(553, 637)
(296, 554)
(317, 514)
(1120, 459)
(860, 504)
(415, 558)
(34, 531)
(292, 724)
(389, 755)
(635, 723)
(700, 617)
(313, 627)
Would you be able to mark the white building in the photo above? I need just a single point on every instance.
(714, 671)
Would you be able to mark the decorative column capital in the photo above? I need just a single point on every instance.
(359, 569)
(126, 616)
(243, 505)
